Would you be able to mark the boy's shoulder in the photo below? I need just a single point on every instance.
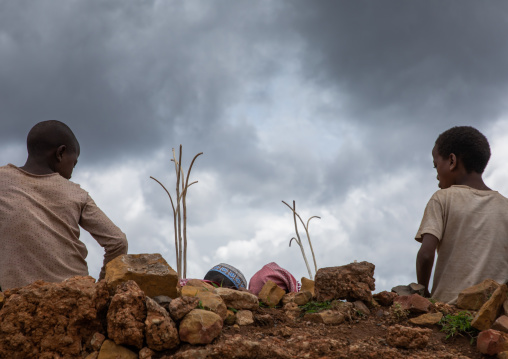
(459, 195)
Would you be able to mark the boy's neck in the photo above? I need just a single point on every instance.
(473, 180)
(37, 167)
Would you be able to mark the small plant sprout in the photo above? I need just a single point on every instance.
(298, 239)
(182, 185)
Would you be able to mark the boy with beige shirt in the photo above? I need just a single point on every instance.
(465, 221)
(41, 213)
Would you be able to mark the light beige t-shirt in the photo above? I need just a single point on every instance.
(40, 216)
(472, 228)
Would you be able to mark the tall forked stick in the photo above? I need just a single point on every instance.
(306, 227)
(184, 204)
(298, 241)
(174, 220)
(178, 168)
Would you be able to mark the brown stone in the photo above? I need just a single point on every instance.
(146, 353)
(300, 298)
(230, 318)
(200, 327)
(505, 307)
(238, 299)
(427, 319)
(308, 285)
(126, 315)
(409, 338)
(110, 350)
(474, 297)
(354, 281)
(326, 317)
(502, 355)
(213, 302)
(244, 317)
(490, 310)
(415, 303)
(492, 342)
(161, 332)
(97, 340)
(179, 307)
(200, 283)
(501, 324)
(291, 310)
(92, 355)
(361, 308)
(2, 299)
(152, 273)
(52, 319)
(271, 294)
(385, 298)
(191, 291)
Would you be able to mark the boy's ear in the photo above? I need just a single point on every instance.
(59, 152)
(453, 161)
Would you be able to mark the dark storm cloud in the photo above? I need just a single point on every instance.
(433, 61)
(126, 76)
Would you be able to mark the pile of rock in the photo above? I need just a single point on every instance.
(489, 300)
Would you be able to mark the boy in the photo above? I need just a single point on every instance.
(41, 212)
(465, 220)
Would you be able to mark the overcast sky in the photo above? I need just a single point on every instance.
(333, 104)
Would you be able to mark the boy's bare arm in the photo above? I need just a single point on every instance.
(425, 260)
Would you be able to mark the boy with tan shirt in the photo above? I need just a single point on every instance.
(465, 221)
(41, 213)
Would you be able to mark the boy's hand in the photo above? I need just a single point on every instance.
(425, 260)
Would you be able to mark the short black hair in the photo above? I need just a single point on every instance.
(48, 135)
(468, 144)
(220, 279)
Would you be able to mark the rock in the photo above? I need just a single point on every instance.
(264, 320)
(308, 285)
(146, 353)
(271, 294)
(200, 327)
(52, 320)
(92, 355)
(502, 355)
(152, 273)
(213, 302)
(490, 310)
(474, 297)
(491, 342)
(237, 299)
(191, 291)
(163, 301)
(406, 337)
(505, 307)
(230, 318)
(204, 353)
(361, 308)
(300, 298)
(2, 299)
(179, 307)
(244, 317)
(110, 350)
(200, 284)
(385, 298)
(291, 310)
(161, 332)
(326, 317)
(354, 281)
(501, 324)
(415, 303)
(427, 319)
(412, 288)
(126, 315)
(416, 288)
(97, 340)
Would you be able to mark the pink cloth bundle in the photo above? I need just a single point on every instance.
(272, 271)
